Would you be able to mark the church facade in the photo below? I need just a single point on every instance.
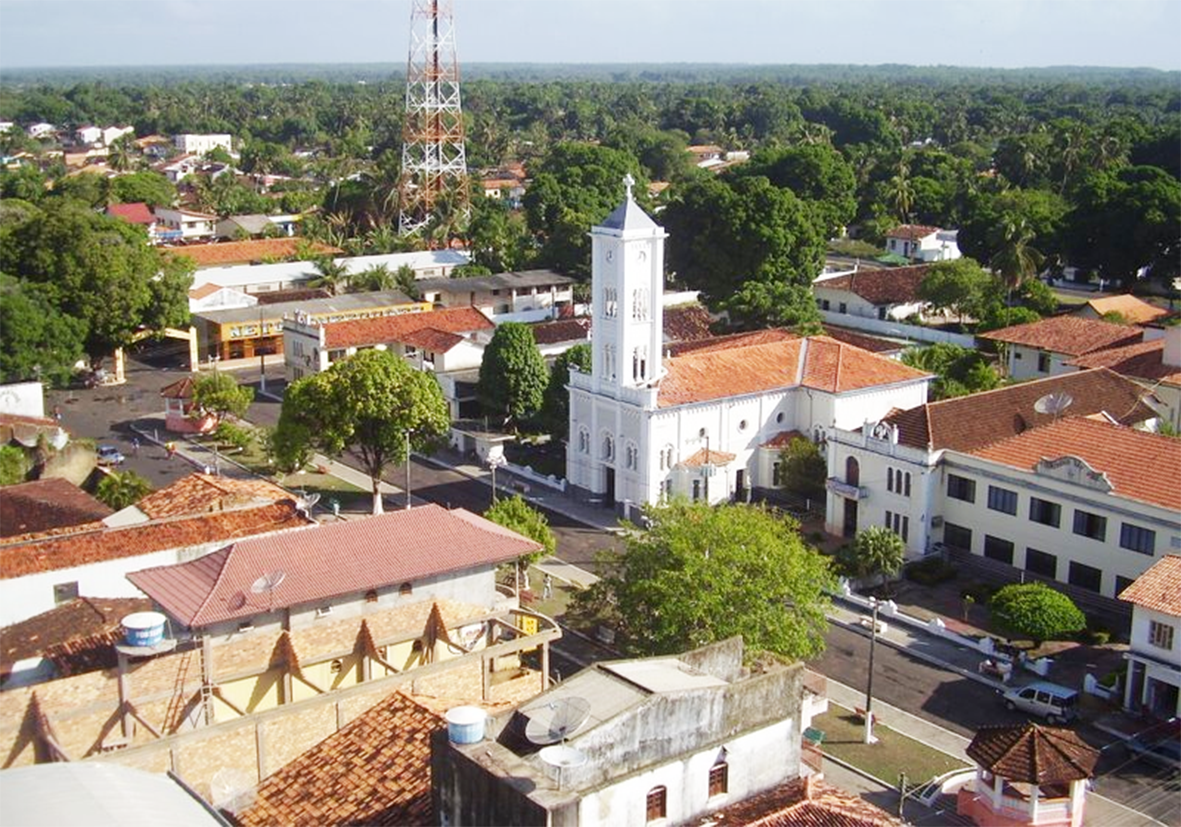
(704, 421)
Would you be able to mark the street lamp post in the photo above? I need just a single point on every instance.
(873, 640)
(409, 431)
(493, 464)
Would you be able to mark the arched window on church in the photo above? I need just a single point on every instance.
(632, 456)
(639, 364)
(666, 458)
(640, 304)
(608, 447)
(610, 302)
(609, 361)
(583, 441)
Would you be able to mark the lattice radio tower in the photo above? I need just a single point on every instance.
(434, 166)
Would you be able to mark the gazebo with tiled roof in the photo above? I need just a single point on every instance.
(1028, 774)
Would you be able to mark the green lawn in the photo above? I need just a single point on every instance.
(894, 753)
(328, 487)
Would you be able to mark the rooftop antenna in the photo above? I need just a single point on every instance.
(267, 585)
(555, 721)
(1053, 404)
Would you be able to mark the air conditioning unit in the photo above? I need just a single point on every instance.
(936, 522)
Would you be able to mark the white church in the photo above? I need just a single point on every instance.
(707, 423)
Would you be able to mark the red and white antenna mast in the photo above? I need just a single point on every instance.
(434, 165)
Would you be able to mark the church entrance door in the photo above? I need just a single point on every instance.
(850, 526)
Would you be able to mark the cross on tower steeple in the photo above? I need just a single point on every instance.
(628, 183)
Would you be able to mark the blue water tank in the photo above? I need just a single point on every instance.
(144, 628)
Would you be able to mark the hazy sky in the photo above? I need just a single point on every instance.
(1002, 33)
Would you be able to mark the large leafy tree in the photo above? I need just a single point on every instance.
(725, 234)
(151, 188)
(100, 270)
(517, 515)
(802, 468)
(959, 370)
(555, 406)
(960, 286)
(39, 340)
(219, 393)
(818, 175)
(1035, 611)
(513, 375)
(366, 404)
(574, 187)
(700, 574)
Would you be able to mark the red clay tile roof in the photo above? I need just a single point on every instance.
(898, 285)
(384, 329)
(702, 458)
(180, 389)
(1159, 588)
(803, 802)
(782, 439)
(1143, 360)
(25, 554)
(1121, 453)
(687, 323)
(563, 330)
(207, 289)
(1033, 754)
(852, 337)
(817, 362)
(136, 213)
(376, 770)
(912, 232)
(1067, 334)
(205, 493)
(329, 561)
(1130, 308)
(729, 340)
(244, 252)
(432, 339)
(969, 422)
(77, 636)
(44, 504)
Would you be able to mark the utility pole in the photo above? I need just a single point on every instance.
(408, 432)
(873, 642)
(434, 163)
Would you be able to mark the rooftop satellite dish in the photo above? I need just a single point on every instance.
(1053, 404)
(562, 757)
(268, 582)
(556, 720)
(311, 499)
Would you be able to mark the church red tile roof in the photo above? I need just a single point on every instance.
(385, 329)
(686, 323)
(376, 770)
(969, 422)
(729, 340)
(1067, 334)
(818, 362)
(704, 457)
(1033, 754)
(329, 561)
(1121, 453)
(1159, 588)
(46, 504)
(892, 285)
(803, 802)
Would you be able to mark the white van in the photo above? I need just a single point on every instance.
(1055, 703)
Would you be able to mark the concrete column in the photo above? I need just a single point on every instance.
(998, 789)
(545, 666)
(1034, 793)
(485, 679)
(1078, 791)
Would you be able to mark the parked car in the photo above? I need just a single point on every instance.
(109, 455)
(1057, 704)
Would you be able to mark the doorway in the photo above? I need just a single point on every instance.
(609, 489)
(850, 525)
(740, 485)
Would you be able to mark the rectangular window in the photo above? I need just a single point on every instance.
(1045, 512)
(718, 778)
(696, 490)
(961, 488)
(1135, 538)
(1039, 562)
(957, 536)
(1160, 635)
(844, 308)
(1043, 363)
(657, 804)
(996, 548)
(775, 470)
(825, 304)
(1085, 577)
(905, 533)
(65, 592)
(890, 519)
(906, 487)
(1090, 525)
(890, 479)
(1002, 500)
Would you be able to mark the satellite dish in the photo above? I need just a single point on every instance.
(268, 582)
(1053, 404)
(231, 790)
(311, 499)
(556, 720)
(562, 757)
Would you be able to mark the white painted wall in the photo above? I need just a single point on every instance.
(23, 399)
(855, 305)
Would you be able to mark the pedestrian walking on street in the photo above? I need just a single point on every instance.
(547, 588)
(135, 447)
(170, 448)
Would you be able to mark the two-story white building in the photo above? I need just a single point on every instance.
(1154, 660)
(704, 423)
(1065, 497)
(1043, 348)
(528, 296)
(921, 243)
(185, 225)
(884, 294)
(200, 144)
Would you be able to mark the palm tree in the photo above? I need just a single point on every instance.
(119, 155)
(332, 274)
(900, 193)
(374, 277)
(1015, 259)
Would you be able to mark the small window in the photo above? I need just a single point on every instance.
(1045, 512)
(1039, 562)
(961, 488)
(405, 590)
(323, 611)
(1002, 500)
(957, 536)
(65, 592)
(1160, 635)
(843, 308)
(1085, 577)
(246, 626)
(657, 804)
(719, 777)
(998, 549)
(371, 596)
(779, 418)
(1135, 538)
(742, 425)
(1090, 525)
